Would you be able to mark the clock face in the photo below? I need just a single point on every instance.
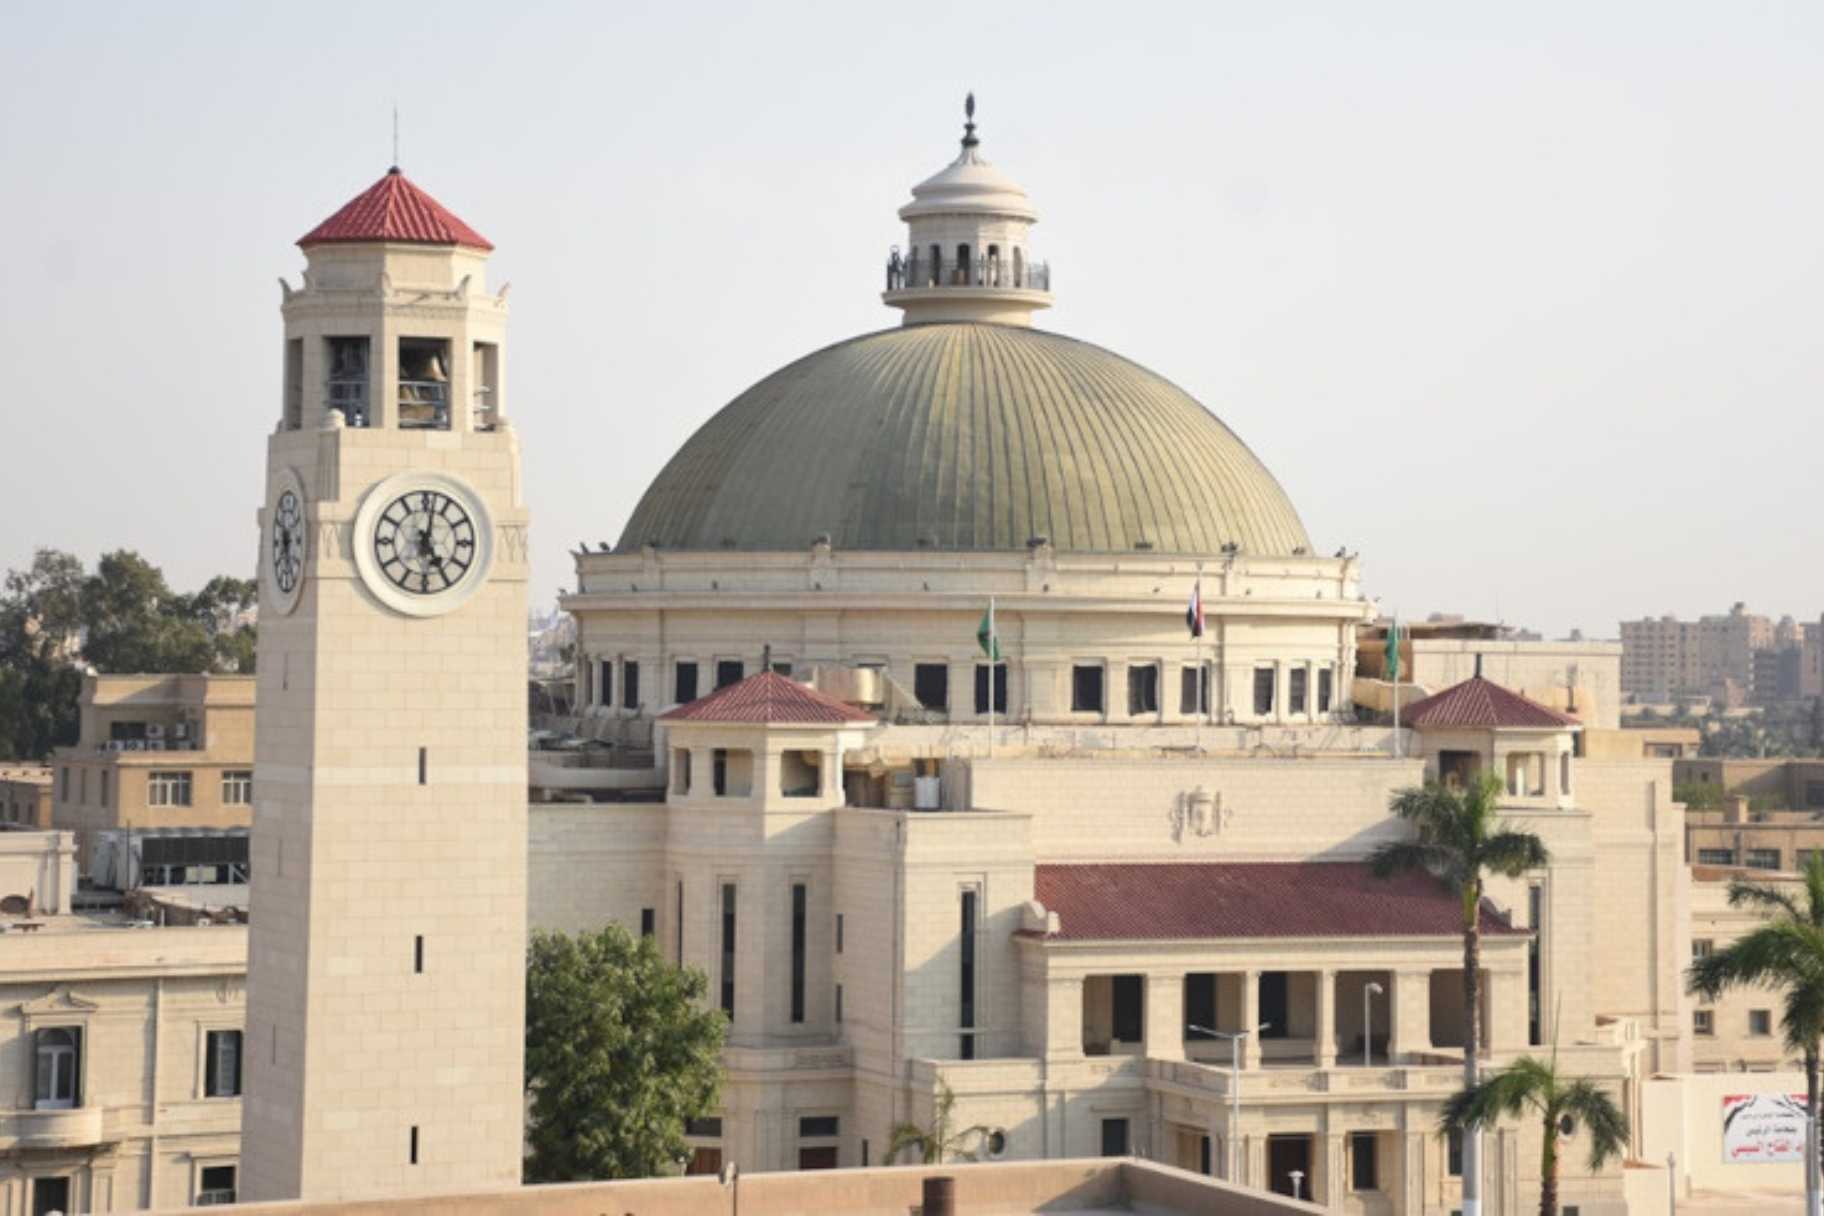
(424, 542)
(287, 542)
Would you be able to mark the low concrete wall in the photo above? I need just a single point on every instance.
(1000, 1189)
(1684, 1114)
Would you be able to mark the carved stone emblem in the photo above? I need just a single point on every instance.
(1198, 813)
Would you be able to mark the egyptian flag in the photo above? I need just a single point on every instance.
(1193, 613)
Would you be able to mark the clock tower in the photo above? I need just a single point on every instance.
(387, 967)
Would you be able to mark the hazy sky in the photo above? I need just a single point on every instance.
(1519, 300)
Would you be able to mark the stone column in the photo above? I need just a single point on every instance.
(1409, 1008)
(1335, 1164)
(1064, 1017)
(1507, 1012)
(1250, 1017)
(1165, 1017)
(1326, 1019)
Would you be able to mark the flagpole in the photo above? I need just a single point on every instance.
(1394, 645)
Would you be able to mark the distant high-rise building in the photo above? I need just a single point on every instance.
(1665, 657)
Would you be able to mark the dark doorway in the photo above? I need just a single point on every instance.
(705, 1161)
(1285, 1154)
(1114, 1137)
(822, 1158)
(1273, 1012)
(50, 1195)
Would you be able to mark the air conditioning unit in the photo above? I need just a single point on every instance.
(155, 730)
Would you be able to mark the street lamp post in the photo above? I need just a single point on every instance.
(1234, 1037)
(1371, 989)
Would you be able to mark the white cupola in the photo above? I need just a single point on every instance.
(967, 256)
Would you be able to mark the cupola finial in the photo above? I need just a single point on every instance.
(969, 139)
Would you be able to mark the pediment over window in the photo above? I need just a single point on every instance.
(59, 1001)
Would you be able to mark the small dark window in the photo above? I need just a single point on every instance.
(718, 772)
(1143, 689)
(1205, 1161)
(424, 765)
(630, 684)
(418, 954)
(728, 671)
(1298, 686)
(839, 933)
(412, 1151)
(839, 1002)
(931, 685)
(1326, 679)
(1129, 1000)
(782, 669)
(798, 924)
(1362, 1162)
(604, 693)
(816, 1127)
(967, 978)
(1199, 1004)
(215, 1185)
(981, 688)
(649, 921)
(58, 1073)
(1194, 690)
(1273, 1006)
(728, 949)
(50, 1195)
(222, 1064)
(1453, 1155)
(707, 1126)
(1114, 1137)
(1086, 688)
(1263, 691)
(1760, 1022)
(864, 1154)
(686, 685)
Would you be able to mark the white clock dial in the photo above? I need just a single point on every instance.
(287, 541)
(423, 543)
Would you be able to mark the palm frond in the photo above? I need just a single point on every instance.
(909, 1136)
(1599, 1117)
(1780, 953)
(1746, 894)
(1802, 1016)
(1401, 856)
(1511, 853)
(1525, 1082)
(1814, 887)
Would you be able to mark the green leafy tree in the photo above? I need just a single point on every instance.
(1459, 840)
(938, 1143)
(620, 1052)
(40, 633)
(1562, 1105)
(1785, 953)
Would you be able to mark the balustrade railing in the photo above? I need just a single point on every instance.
(917, 272)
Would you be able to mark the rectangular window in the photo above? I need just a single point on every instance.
(104, 788)
(1703, 1022)
(1273, 1004)
(728, 949)
(1762, 859)
(967, 977)
(1205, 1159)
(1263, 691)
(839, 933)
(783, 668)
(1114, 1137)
(649, 921)
(819, 1127)
(50, 1195)
(1000, 688)
(57, 1075)
(424, 384)
(345, 385)
(412, 1146)
(294, 384)
(1760, 1022)
(1702, 947)
(168, 789)
(1129, 1013)
(604, 690)
(1362, 1162)
(630, 684)
(1199, 1005)
(1326, 681)
(222, 1064)
(1453, 1155)
(684, 688)
(1716, 857)
(237, 788)
(418, 955)
(798, 916)
(1143, 689)
(839, 1002)
(708, 1127)
(424, 765)
(215, 1185)
(728, 671)
(1297, 686)
(1194, 689)
(1535, 913)
(1086, 688)
(931, 685)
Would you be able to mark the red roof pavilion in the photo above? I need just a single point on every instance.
(395, 209)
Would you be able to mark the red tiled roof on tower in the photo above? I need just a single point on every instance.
(768, 698)
(395, 209)
(1164, 901)
(1478, 703)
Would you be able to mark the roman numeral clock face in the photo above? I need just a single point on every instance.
(423, 543)
(287, 543)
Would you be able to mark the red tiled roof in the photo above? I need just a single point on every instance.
(1177, 900)
(767, 697)
(395, 209)
(1478, 702)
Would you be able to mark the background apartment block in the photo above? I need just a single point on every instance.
(1738, 658)
(25, 797)
(157, 751)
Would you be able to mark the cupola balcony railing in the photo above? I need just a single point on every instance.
(905, 274)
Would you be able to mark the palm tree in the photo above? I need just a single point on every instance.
(1785, 953)
(1561, 1104)
(1459, 840)
(937, 1143)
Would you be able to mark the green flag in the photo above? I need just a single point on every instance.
(985, 636)
(1393, 651)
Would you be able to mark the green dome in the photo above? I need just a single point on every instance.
(965, 436)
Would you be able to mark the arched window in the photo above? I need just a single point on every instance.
(937, 265)
(993, 268)
(1019, 267)
(962, 265)
(55, 1087)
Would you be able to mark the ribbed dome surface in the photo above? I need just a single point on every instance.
(965, 437)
